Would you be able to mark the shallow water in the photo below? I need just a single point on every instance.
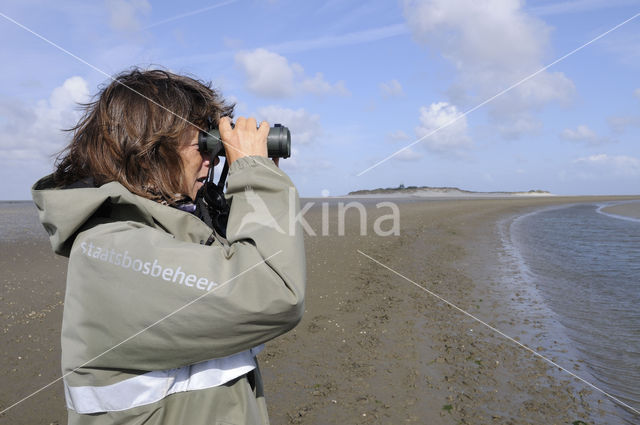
(18, 221)
(586, 268)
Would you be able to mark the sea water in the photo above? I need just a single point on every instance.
(19, 221)
(584, 265)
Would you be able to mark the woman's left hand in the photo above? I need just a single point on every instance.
(244, 139)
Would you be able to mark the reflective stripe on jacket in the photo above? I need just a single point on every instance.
(154, 386)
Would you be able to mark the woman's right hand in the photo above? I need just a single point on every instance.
(245, 139)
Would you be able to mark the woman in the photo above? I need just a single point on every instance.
(163, 316)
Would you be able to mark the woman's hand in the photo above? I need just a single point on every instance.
(245, 139)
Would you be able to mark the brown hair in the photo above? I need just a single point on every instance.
(132, 133)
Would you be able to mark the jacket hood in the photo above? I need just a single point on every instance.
(64, 211)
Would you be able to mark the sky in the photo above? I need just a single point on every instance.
(484, 95)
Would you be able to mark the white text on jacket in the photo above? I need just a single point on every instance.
(149, 268)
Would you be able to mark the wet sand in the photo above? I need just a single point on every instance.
(372, 347)
(631, 210)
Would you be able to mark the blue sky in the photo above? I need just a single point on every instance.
(356, 82)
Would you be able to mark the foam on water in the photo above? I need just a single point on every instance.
(616, 216)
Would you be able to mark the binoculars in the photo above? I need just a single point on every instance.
(278, 142)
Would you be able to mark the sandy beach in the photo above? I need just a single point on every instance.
(373, 347)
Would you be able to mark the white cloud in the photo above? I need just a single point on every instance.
(603, 165)
(124, 14)
(398, 136)
(232, 43)
(34, 131)
(271, 75)
(636, 93)
(299, 161)
(453, 138)
(318, 85)
(517, 125)
(268, 74)
(408, 155)
(493, 44)
(333, 41)
(620, 124)
(577, 6)
(623, 45)
(191, 13)
(392, 88)
(305, 127)
(584, 134)
(293, 163)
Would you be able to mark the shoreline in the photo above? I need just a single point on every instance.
(529, 318)
(624, 210)
(411, 358)
(372, 347)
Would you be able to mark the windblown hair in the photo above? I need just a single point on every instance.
(133, 132)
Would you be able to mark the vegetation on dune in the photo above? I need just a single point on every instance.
(413, 189)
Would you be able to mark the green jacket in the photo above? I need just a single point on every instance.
(158, 326)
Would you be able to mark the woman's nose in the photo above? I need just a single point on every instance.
(206, 160)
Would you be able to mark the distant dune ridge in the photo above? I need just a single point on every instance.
(426, 191)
